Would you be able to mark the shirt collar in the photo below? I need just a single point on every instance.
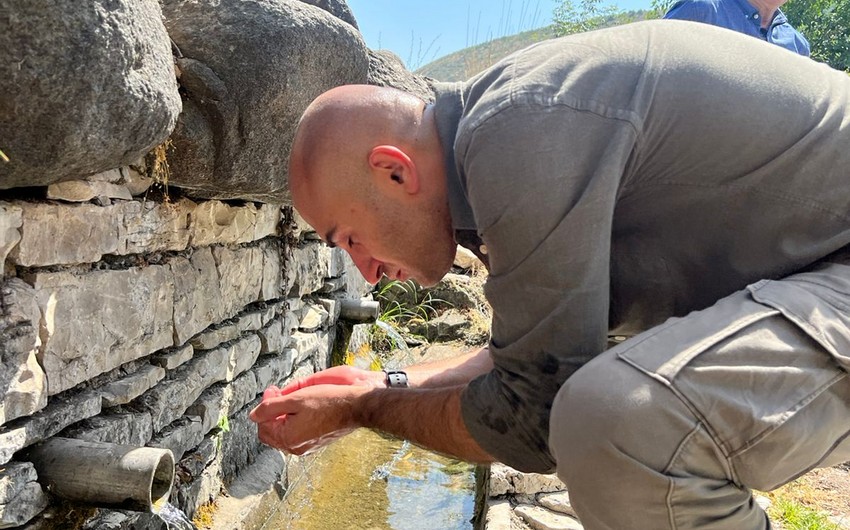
(750, 12)
(448, 109)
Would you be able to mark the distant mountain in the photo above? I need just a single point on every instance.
(463, 64)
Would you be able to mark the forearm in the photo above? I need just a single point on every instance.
(428, 417)
(454, 371)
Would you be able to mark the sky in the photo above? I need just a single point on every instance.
(420, 31)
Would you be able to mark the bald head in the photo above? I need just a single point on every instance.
(341, 126)
(367, 172)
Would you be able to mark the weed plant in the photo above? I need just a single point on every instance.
(795, 516)
(401, 304)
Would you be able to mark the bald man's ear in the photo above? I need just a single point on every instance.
(392, 166)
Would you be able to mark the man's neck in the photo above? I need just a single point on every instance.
(767, 9)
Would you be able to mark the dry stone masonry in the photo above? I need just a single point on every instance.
(155, 279)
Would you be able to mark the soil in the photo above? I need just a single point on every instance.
(826, 490)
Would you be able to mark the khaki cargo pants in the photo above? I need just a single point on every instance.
(671, 428)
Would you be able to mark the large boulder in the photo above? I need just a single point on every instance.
(337, 8)
(387, 69)
(248, 69)
(87, 85)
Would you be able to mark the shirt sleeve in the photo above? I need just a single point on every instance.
(542, 181)
(694, 10)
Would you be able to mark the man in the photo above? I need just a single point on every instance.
(758, 18)
(611, 180)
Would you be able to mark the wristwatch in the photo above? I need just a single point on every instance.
(396, 379)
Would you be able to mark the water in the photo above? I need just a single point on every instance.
(366, 481)
(403, 357)
(173, 517)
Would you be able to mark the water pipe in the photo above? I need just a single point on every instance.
(359, 310)
(103, 474)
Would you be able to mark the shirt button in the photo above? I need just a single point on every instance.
(756, 16)
(483, 249)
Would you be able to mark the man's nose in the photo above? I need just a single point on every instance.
(368, 267)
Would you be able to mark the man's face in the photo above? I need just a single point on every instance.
(399, 238)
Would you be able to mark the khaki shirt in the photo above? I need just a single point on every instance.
(623, 176)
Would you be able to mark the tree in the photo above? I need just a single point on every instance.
(826, 24)
(570, 17)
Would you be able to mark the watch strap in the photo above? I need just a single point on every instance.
(396, 379)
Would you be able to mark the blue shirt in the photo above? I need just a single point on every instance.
(739, 15)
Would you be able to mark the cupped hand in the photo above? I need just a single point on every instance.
(301, 421)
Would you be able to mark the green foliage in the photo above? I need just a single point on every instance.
(224, 423)
(659, 8)
(795, 516)
(826, 25)
(587, 15)
(402, 302)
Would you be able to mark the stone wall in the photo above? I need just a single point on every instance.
(153, 322)
(157, 315)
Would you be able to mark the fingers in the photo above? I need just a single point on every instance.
(271, 392)
(271, 409)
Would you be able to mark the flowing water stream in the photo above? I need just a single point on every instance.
(365, 481)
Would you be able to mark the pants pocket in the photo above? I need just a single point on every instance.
(767, 390)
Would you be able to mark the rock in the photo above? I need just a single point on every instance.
(337, 8)
(466, 259)
(21, 496)
(445, 327)
(387, 69)
(306, 345)
(542, 519)
(180, 436)
(93, 80)
(215, 284)
(215, 336)
(168, 400)
(557, 502)
(59, 413)
(310, 264)
(129, 388)
(64, 234)
(500, 516)
(273, 369)
(233, 137)
(84, 191)
(122, 428)
(506, 480)
(74, 350)
(135, 182)
(22, 379)
(273, 339)
(11, 220)
(197, 294)
(314, 318)
(215, 222)
(221, 401)
(242, 355)
(172, 358)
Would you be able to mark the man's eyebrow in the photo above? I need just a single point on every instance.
(329, 237)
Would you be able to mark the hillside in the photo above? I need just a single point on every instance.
(465, 63)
